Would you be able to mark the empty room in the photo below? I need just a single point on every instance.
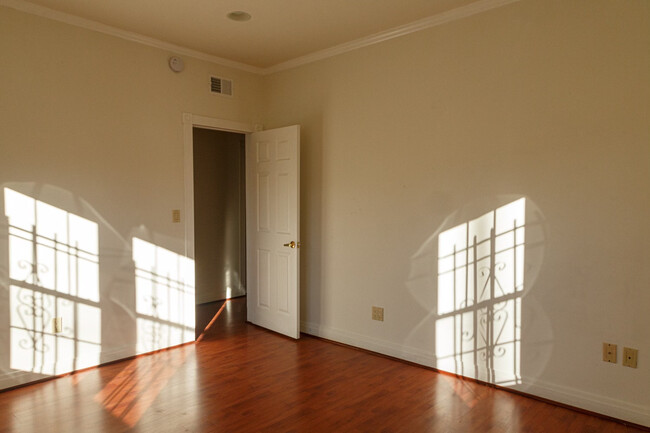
(309, 215)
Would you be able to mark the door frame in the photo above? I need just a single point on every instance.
(191, 121)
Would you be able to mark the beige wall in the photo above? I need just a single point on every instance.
(101, 116)
(93, 124)
(547, 100)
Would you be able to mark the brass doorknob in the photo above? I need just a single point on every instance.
(292, 244)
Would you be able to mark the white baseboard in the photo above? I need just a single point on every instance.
(375, 345)
(584, 400)
(565, 395)
(11, 378)
(15, 378)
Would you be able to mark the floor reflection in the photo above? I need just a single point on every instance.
(134, 389)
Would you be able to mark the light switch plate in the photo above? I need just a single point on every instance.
(176, 216)
(378, 313)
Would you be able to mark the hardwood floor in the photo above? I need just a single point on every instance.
(241, 378)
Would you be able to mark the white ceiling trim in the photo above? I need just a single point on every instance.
(31, 8)
(416, 26)
(396, 32)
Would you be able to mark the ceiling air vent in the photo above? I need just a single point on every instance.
(221, 86)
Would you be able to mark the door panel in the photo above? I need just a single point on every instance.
(273, 220)
(264, 278)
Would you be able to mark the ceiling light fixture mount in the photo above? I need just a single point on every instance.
(239, 16)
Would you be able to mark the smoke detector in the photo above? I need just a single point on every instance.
(176, 64)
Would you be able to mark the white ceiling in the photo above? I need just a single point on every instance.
(279, 31)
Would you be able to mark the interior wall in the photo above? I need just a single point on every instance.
(545, 100)
(92, 125)
(219, 215)
(402, 140)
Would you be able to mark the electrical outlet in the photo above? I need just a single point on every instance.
(57, 325)
(378, 313)
(629, 357)
(609, 352)
(176, 216)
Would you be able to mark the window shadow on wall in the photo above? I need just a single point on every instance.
(474, 284)
(480, 284)
(115, 298)
(164, 290)
(164, 303)
(53, 273)
(50, 268)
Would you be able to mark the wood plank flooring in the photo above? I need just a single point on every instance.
(241, 378)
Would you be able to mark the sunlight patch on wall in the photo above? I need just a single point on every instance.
(480, 283)
(54, 272)
(164, 284)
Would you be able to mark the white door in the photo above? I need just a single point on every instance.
(273, 229)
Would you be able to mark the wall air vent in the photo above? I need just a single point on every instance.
(221, 86)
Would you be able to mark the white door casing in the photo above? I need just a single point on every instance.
(272, 223)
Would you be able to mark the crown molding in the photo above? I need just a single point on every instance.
(416, 26)
(396, 32)
(31, 8)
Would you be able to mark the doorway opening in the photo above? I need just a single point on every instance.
(219, 219)
(272, 169)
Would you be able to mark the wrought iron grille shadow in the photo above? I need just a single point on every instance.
(53, 272)
(480, 284)
(164, 283)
